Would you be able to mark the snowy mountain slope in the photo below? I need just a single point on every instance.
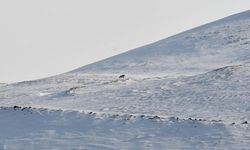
(218, 44)
(201, 77)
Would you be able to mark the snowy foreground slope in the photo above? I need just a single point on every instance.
(54, 129)
(189, 91)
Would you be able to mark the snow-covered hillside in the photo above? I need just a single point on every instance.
(218, 44)
(189, 91)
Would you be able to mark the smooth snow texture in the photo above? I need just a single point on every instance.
(202, 74)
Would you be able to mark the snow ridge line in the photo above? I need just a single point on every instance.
(116, 117)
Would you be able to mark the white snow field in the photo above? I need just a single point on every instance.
(189, 91)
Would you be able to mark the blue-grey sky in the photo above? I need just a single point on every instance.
(40, 38)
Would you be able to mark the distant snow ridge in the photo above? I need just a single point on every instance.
(218, 44)
(229, 72)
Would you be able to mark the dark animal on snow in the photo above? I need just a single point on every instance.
(122, 76)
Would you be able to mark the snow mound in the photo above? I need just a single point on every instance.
(228, 73)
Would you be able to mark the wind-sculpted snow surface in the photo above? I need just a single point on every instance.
(189, 91)
(220, 94)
